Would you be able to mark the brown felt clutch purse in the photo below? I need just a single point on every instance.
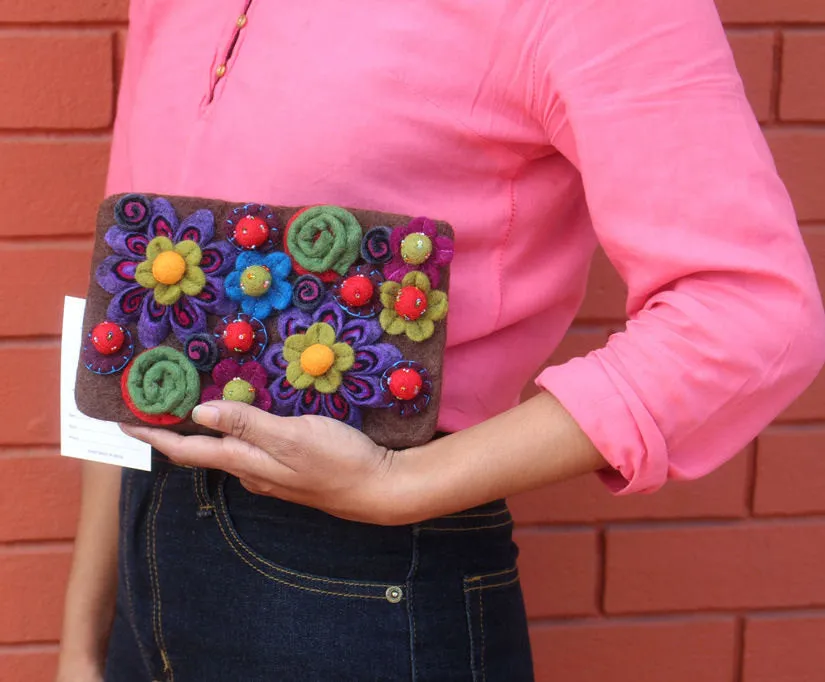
(313, 310)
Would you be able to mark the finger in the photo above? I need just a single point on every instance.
(238, 419)
(229, 454)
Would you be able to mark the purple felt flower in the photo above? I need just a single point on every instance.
(186, 285)
(418, 246)
(343, 393)
(242, 383)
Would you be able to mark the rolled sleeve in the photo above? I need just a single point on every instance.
(726, 325)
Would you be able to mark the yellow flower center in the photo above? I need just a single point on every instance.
(239, 390)
(416, 248)
(256, 280)
(168, 267)
(317, 359)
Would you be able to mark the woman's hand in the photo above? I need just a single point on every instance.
(314, 461)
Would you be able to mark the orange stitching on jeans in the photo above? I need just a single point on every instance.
(476, 588)
(303, 576)
(285, 582)
(466, 530)
(479, 578)
(157, 607)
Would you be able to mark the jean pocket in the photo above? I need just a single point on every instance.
(250, 552)
(497, 625)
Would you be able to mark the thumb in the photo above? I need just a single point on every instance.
(237, 419)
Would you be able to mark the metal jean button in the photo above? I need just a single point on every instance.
(394, 594)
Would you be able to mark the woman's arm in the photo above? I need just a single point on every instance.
(90, 597)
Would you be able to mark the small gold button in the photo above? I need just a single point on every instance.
(220, 71)
(394, 595)
(241, 21)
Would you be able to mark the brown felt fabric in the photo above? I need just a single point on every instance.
(100, 397)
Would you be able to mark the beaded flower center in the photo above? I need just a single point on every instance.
(256, 280)
(240, 391)
(239, 336)
(317, 359)
(357, 290)
(251, 232)
(169, 267)
(405, 383)
(416, 248)
(411, 303)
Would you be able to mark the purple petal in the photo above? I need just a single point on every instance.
(336, 407)
(293, 321)
(430, 268)
(213, 299)
(284, 397)
(198, 227)
(225, 371)
(115, 273)
(309, 401)
(330, 312)
(164, 222)
(125, 307)
(211, 393)
(153, 326)
(255, 374)
(362, 390)
(444, 250)
(218, 258)
(358, 332)
(263, 399)
(273, 361)
(375, 359)
(187, 318)
(129, 244)
(396, 269)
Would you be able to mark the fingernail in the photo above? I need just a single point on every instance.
(205, 415)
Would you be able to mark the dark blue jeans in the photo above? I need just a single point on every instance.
(218, 584)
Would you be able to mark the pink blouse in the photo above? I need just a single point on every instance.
(538, 129)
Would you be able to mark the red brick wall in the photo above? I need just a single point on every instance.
(718, 580)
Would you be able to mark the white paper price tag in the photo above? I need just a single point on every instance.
(80, 436)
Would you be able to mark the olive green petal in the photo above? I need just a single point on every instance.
(297, 377)
(167, 294)
(193, 281)
(328, 382)
(344, 356)
(144, 276)
(416, 279)
(436, 305)
(294, 346)
(419, 330)
(190, 251)
(157, 246)
(391, 322)
(389, 290)
(322, 333)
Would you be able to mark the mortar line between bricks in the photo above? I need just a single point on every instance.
(750, 478)
(33, 243)
(44, 647)
(775, 25)
(39, 341)
(17, 547)
(41, 451)
(91, 26)
(776, 76)
(673, 616)
(52, 134)
(739, 650)
(601, 568)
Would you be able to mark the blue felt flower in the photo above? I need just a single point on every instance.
(259, 283)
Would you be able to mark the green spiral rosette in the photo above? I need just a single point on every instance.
(324, 239)
(163, 381)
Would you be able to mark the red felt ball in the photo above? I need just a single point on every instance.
(239, 336)
(411, 303)
(405, 383)
(357, 290)
(108, 338)
(251, 232)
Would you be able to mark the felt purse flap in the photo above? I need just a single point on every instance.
(321, 310)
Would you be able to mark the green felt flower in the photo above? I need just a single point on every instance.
(325, 240)
(412, 307)
(316, 359)
(163, 381)
(171, 270)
